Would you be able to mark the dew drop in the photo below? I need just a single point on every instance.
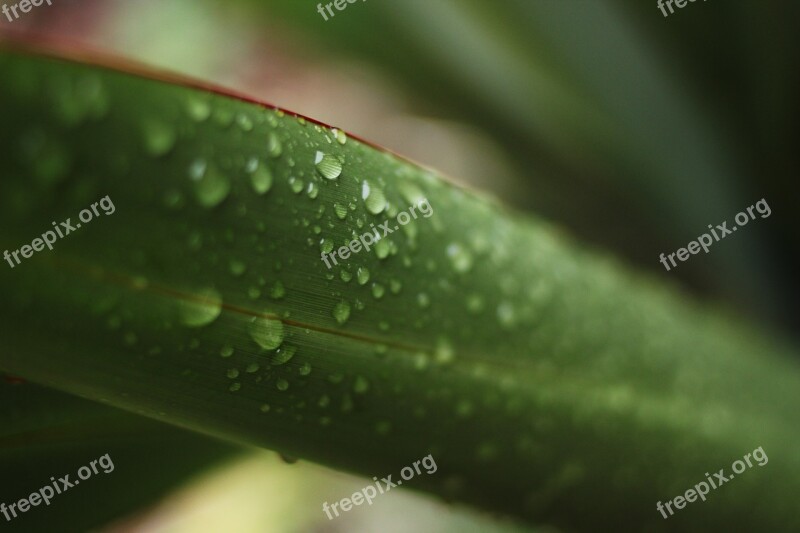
(362, 274)
(328, 166)
(159, 137)
(244, 122)
(341, 312)
(283, 355)
(211, 187)
(506, 315)
(296, 184)
(226, 351)
(198, 109)
(312, 190)
(361, 385)
(411, 193)
(202, 309)
(341, 137)
(340, 210)
(474, 303)
(274, 147)
(237, 267)
(277, 291)
(373, 198)
(326, 245)
(305, 369)
(423, 300)
(459, 257)
(378, 291)
(444, 353)
(395, 285)
(260, 177)
(282, 384)
(267, 332)
(382, 249)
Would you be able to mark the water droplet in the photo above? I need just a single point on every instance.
(233, 373)
(382, 249)
(326, 245)
(244, 122)
(411, 193)
(267, 332)
(305, 369)
(373, 197)
(223, 117)
(340, 210)
(201, 309)
(198, 109)
(252, 368)
(282, 384)
(347, 403)
(362, 274)
(237, 267)
(423, 300)
(159, 137)
(444, 353)
(459, 257)
(274, 147)
(378, 291)
(341, 137)
(464, 408)
(226, 351)
(361, 385)
(277, 291)
(211, 187)
(341, 312)
(328, 166)
(312, 190)
(264, 408)
(260, 176)
(296, 184)
(395, 285)
(345, 275)
(506, 315)
(421, 361)
(474, 303)
(324, 401)
(235, 386)
(283, 355)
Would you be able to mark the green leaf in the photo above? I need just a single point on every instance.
(547, 382)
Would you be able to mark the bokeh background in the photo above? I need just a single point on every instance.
(630, 130)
